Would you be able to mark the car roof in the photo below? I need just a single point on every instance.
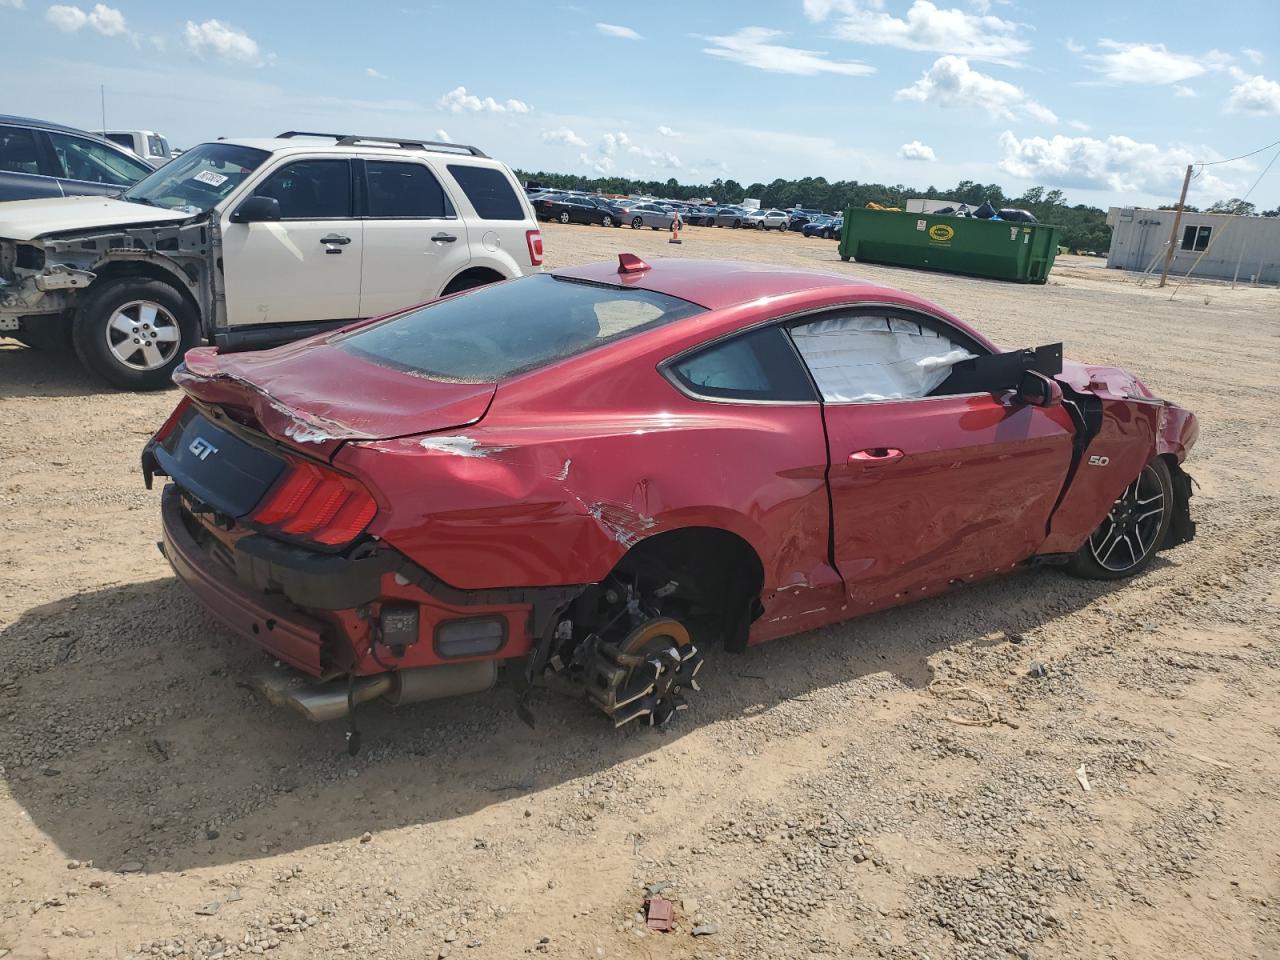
(317, 145)
(717, 284)
(56, 128)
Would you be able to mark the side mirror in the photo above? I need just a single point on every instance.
(1037, 390)
(257, 210)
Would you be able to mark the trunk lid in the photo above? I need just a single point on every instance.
(28, 219)
(313, 396)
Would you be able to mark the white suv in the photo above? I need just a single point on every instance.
(250, 243)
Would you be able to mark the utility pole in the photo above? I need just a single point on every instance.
(1177, 219)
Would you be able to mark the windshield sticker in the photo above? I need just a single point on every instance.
(211, 178)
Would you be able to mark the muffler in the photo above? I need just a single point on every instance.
(329, 700)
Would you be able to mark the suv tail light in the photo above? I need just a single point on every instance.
(317, 504)
(534, 239)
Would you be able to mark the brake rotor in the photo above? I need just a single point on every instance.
(644, 675)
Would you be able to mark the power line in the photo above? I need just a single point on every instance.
(1212, 163)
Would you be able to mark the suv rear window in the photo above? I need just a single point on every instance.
(489, 192)
(507, 328)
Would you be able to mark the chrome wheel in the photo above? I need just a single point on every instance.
(1131, 530)
(564, 218)
(607, 221)
(142, 335)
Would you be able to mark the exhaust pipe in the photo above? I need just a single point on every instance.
(329, 700)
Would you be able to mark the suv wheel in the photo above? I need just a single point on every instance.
(134, 332)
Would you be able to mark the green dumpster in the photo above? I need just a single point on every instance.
(1000, 249)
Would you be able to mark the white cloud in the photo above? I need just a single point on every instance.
(1116, 163)
(105, 20)
(668, 132)
(1181, 90)
(600, 165)
(458, 100)
(613, 30)
(926, 27)
(563, 135)
(13, 4)
(751, 46)
(1253, 56)
(1143, 63)
(444, 135)
(611, 144)
(915, 150)
(1255, 95)
(1077, 125)
(68, 19)
(375, 74)
(213, 37)
(108, 21)
(951, 82)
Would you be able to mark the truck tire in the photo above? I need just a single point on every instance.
(132, 332)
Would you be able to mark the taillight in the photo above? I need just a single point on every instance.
(172, 421)
(317, 504)
(534, 239)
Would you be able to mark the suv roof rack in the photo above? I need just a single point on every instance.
(348, 140)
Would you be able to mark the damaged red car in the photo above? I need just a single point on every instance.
(604, 471)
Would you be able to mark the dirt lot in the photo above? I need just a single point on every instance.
(815, 801)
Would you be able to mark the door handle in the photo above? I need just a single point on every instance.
(443, 238)
(334, 238)
(873, 456)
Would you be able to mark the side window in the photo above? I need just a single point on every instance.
(760, 365)
(311, 190)
(489, 192)
(123, 139)
(1196, 238)
(398, 189)
(859, 358)
(19, 152)
(92, 162)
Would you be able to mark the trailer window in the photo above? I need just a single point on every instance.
(1196, 238)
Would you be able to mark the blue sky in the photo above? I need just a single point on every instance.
(1108, 101)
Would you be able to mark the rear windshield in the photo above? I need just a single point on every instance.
(489, 192)
(507, 328)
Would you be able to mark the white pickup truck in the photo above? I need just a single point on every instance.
(147, 144)
(252, 242)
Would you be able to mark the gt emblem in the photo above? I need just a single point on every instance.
(1093, 461)
(202, 447)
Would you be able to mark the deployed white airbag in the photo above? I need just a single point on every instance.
(875, 358)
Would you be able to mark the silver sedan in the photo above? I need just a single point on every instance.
(649, 215)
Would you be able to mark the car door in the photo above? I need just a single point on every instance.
(304, 267)
(89, 167)
(754, 385)
(928, 489)
(414, 240)
(26, 165)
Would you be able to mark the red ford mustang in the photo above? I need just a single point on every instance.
(603, 471)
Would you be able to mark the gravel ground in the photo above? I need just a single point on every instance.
(816, 800)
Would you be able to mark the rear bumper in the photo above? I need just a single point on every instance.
(273, 625)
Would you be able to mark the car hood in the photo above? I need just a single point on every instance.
(315, 396)
(28, 219)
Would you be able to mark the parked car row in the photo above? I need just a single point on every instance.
(571, 206)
